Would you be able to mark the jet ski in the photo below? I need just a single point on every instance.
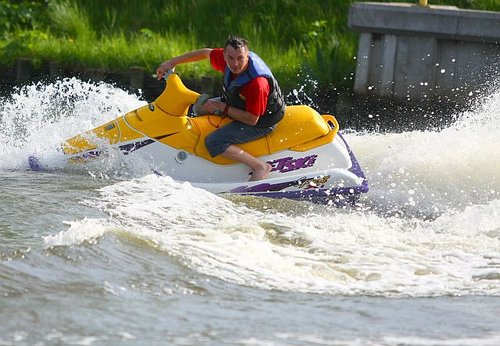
(309, 157)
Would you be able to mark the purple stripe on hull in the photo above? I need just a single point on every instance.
(356, 169)
(340, 196)
(34, 164)
(128, 148)
(265, 187)
(125, 149)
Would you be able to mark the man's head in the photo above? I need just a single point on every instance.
(236, 54)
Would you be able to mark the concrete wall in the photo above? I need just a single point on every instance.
(407, 52)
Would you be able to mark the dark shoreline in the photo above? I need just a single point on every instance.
(360, 113)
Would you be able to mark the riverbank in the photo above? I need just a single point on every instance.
(298, 40)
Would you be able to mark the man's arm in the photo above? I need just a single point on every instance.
(211, 106)
(193, 56)
(256, 93)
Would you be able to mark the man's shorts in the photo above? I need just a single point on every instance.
(233, 133)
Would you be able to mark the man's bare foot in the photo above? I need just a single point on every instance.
(261, 173)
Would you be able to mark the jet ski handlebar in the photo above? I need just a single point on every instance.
(168, 73)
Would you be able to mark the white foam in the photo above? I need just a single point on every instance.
(331, 252)
(37, 118)
(487, 340)
(432, 171)
(86, 230)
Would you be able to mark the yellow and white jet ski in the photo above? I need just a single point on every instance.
(309, 157)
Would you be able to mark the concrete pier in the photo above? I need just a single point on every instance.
(409, 52)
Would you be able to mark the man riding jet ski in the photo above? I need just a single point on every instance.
(251, 97)
(291, 152)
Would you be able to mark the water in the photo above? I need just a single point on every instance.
(118, 256)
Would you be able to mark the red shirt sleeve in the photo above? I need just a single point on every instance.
(256, 94)
(217, 59)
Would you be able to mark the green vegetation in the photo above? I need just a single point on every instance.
(296, 38)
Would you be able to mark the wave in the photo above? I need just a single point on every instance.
(428, 172)
(36, 118)
(429, 225)
(326, 251)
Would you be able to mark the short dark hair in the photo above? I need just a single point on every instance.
(236, 42)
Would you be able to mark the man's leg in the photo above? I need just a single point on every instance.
(221, 142)
(260, 169)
